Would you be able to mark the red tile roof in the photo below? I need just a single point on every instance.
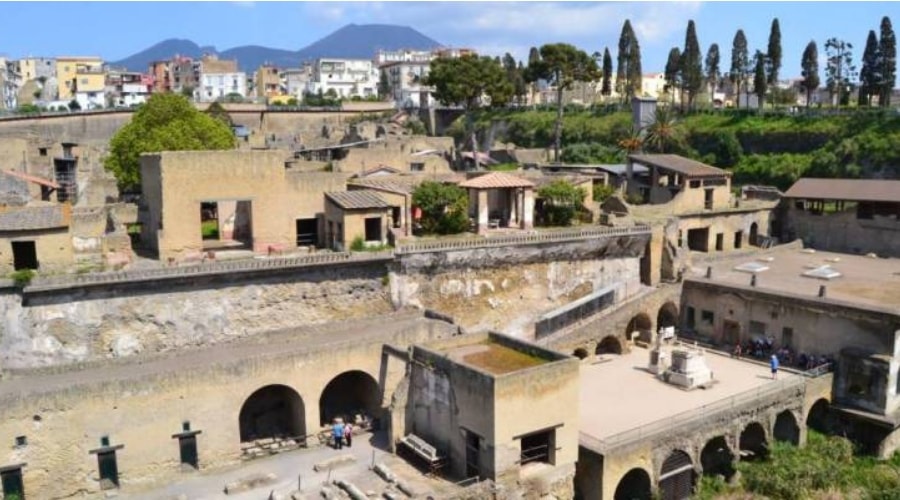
(496, 180)
(32, 178)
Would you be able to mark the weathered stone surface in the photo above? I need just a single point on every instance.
(249, 482)
(335, 462)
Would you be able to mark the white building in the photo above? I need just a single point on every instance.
(347, 77)
(214, 86)
(295, 80)
(403, 55)
(127, 88)
(9, 84)
(405, 81)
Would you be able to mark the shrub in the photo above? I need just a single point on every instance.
(22, 277)
(602, 192)
(561, 202)
(358, 244)
(444, 208)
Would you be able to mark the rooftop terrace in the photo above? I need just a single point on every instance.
(494, 358)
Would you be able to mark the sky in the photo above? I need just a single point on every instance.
(115, 30)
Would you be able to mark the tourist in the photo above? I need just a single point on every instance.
(773, 362)
(338, 431)
(348, 434)
(737, 351)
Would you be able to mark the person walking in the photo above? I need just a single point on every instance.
(773, 363)
(338, 432)
(348, 434)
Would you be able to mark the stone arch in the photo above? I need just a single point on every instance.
(667, 315)
(753, 443)
(641, 324)
(272, 411)
(819, 416)
(677, 476)
(786, 428)
(717, 459)
(634, 485)
(754, 234)
(580, 353)
(609, 345)
(349, 394)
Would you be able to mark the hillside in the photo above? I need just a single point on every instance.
(351, 41)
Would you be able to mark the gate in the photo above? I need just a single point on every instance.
(188, 448)
(676, 479)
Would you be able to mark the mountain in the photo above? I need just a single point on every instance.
(353, 41)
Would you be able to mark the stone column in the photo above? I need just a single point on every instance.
(482, 209)
(528, 209)
(513, 207)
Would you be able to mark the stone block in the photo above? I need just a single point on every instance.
(249, 483)
(334, 463)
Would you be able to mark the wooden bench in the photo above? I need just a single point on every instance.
(424, 451)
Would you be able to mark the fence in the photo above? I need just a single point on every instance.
(574, 312)
(533, 238)
(202, 269)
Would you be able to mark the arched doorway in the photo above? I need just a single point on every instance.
(717, 459)
(786, 428)
(667, 316)
(609, 345)
(676, 478)
(349, 394)
(634, 485)
(641, 325)
(272, 411)
(819, 416)
(754, 232)
(753, 442)
(580, 353)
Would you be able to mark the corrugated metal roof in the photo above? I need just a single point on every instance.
(33, 218)
(846, 189)
(350, 200)
(496, 180)
(680, 164)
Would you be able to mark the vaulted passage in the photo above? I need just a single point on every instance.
(609, 345)
(640, 327)
(635, 485)
(676, 478)
(819, 417)
(786, 428)
(273, 411)
(717, 458)
(667, 316)
(753, 443)
(349, 394)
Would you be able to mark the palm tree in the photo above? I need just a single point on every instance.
(663, 134)
(632, 143)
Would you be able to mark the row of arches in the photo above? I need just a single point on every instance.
(640, 324)
(278, 411)
(678, 473)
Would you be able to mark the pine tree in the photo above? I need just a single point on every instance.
(774, 53)
(739, 63)
(673, 70)
(760, 80)
(869, 77)
(691, 64)
(712, 69)
(887, 53)
(810, 73)
(628, 70)
(534, 58)
(606, 87)
(839, 70)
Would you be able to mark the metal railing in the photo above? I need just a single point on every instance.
(536, 237)
(45, 283)
(671, 424)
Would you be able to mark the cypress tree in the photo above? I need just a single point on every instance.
(739, 63)
(810, 66)
(712, 69)
(869, 78)
(887, 53)
(673, 68)
(691, 64)
(606, 86)
(774, 53)
(634, 67)
(628, 70)
(760, 80)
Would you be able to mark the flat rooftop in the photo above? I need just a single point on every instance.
(863, 280)
(618, 394)
(493, 358)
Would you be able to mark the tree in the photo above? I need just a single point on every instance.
(534, 57)
(839, 70)
(606, 86)
(663, 135)
(384, 85)
(628, 71)
(74, 105)
(166, 122)
(562, 65)
(673, 71)
(887, 67)
(869, 81)
(187, 91)
(217, 111)
(444, 207)
(561, 202)
(773, 55)
(691, 64)
(760, 80)
(465, 81)
(514, 75)
(810, 71)
(740, 62)
(713, 73)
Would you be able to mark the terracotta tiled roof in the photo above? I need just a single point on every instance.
(496, 180)
(350, 200)
(680, 164)
(846, 189)
(32, 178)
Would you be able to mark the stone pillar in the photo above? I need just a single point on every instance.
(482, 209)
(513, 199)
(227, 213)
(528, 209)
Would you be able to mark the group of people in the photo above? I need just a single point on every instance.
(341, 432)
(760, 348)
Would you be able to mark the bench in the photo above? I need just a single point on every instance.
(424, 451)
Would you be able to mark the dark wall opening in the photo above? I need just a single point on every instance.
(538, 447)
(698, 239)
(820, 418)
(753, 443)
(642, 325)
(307, 232)
(667, 316)
(12, 485)
(609, 345)
(676, 478)
(786, 428)
(349, 394)
(273, 411)
(24, 255)
(634, 485)
(717, 458)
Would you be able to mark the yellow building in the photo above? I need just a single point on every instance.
(72, 70)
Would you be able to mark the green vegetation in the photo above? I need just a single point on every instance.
(561, 202)
(22, 277)
(825, 468)
(359, 245)
(602, 192)
(167, 122)
(209, 229)
(504, 167)
(444, 208)
(499, 359)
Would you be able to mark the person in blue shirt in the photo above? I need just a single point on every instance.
(338, 432)
(773, 363)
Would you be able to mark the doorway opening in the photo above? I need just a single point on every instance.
(473, 454)
(307, 232)
(109, 470)
(698, 239)
(738, 239)
(24, 255)
(373, 229)
(11, 481)
(720, 242)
